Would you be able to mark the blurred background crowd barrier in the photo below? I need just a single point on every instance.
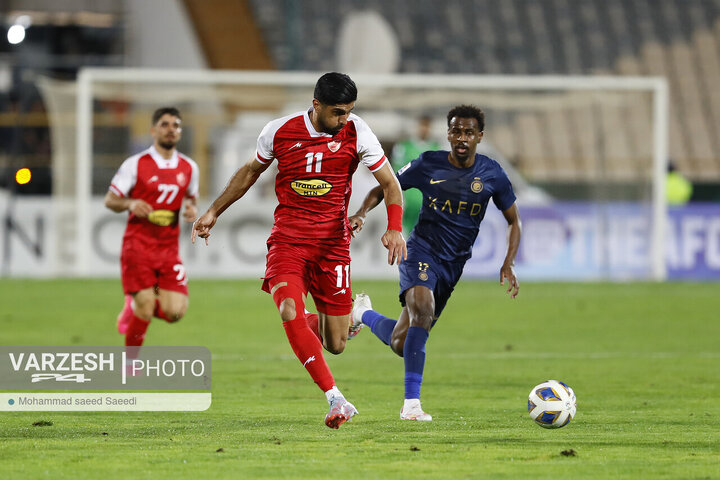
(79, 80)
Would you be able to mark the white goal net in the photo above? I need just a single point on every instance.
(587, 156)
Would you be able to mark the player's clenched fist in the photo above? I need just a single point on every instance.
(201, 227)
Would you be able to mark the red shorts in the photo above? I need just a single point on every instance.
(146, 269)
(322, 271)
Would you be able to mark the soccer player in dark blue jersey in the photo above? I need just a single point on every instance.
(456, 186)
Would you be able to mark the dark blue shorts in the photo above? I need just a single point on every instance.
(422, 268)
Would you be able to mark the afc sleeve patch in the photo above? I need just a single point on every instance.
(402, 170)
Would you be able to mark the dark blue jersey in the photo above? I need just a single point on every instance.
(454, 201)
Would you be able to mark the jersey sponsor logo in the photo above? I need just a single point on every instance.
(162, 218)
(154, 178)
(334, 145)
(298, 144)
(459, 207)
(433, 181)
(477, 185)
(313, 187)
(181, 179)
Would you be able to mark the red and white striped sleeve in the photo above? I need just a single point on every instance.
(368, 146)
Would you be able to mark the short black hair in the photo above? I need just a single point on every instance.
(467, 111)
(335, 88)
(162, 111)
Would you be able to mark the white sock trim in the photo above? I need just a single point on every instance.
(333, 392)
(411, 403)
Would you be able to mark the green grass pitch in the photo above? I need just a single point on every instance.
(643, 359)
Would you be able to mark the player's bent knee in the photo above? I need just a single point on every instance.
(174, 315)
(289, 300)
(397, 345)
(171, 306)
(335, 346)
(287, 310)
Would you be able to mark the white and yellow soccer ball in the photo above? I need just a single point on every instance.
(552, 404)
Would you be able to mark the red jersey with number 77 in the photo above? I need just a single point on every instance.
(163, 183)
(314, 179)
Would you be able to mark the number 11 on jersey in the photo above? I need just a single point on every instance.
(317, 158)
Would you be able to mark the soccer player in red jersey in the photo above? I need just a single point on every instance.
(154, 186)
(317, 151)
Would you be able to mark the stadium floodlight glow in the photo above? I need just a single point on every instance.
(16, 34)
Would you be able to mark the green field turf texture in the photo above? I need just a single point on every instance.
(643, 359)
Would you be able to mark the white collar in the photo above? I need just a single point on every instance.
(162, 162)
(310, 128)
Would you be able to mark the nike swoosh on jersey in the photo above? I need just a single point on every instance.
(433, 182)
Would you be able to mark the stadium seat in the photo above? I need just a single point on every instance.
(676, 39)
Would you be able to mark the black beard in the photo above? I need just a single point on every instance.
(329, 130)
(167, 145)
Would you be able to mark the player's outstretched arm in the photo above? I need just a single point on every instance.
(393, 238)
(135, 205)
(507, 271)
(239, 184)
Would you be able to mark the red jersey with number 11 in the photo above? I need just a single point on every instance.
(163, 183)
(313, 184)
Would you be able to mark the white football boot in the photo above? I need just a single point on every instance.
(413, 411)
(340, 412)
(361, 305)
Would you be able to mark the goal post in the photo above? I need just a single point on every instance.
(378, 94)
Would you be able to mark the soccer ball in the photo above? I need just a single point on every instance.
(552, 404)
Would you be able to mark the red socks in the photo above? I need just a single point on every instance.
(313, 322)
(308, 350)
(135, 333)
(304, 342)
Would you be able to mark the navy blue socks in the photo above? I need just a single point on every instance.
(414, 356)
(413, 350)
(380, 325)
